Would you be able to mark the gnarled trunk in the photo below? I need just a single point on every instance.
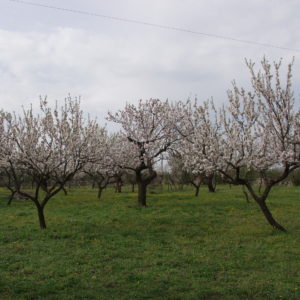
(142, 194)
(269, 217)
(102, 183)
(142, 182)
(100, 189)
(65, 191)
(261, 197)
(197, 191)
(246, 196)
(118, 185)
(41, 216)
(261, 201)
(210, 184)
(197, 187)
(11, 197)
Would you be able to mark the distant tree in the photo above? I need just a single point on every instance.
(130, 179)
(103, 169)
(7, 180)
(181, 175)
(200, 170)
(295, 178)
(118, 180)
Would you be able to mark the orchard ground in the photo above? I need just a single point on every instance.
(216, 246)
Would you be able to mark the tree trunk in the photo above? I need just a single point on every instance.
(65, 191)
(11, 197)
(118, 187)
(197, 187)
(246, 196)
(100, 189)
(269, 217)
(211, 185)
(142, 193)
(142, 184)
(41, 217)
(261, 201)
(9, 200)
(197, 191)
(132, 187)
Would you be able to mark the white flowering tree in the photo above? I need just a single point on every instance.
(147, 132)
(181, 174)
(258, 131)
(198, 150)
(105, 169)
(50, 147)
(262, 125)
(6, 148)
(7, 180)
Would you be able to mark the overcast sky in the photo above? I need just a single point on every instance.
(109, 63)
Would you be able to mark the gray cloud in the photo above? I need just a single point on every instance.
(109, 63)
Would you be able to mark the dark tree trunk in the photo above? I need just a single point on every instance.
(9, 200)
(41, 217)
(100, 189)
(142, 194)
(65, 191)
(246, 196)
(261, 201)
(142, 183)
(197, 189)
(260, 198)
(11, 197)
(118, 188)
(132, 187)
(210, 184)
(269, 217)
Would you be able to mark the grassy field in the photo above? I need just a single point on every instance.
(216, 246)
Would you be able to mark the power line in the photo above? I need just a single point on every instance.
(167, 27)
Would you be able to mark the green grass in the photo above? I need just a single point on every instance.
(216, 246)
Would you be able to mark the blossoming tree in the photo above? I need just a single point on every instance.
(148, 131)
(258, 131)
(50, 148)
(197, 150)
(106, 167)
